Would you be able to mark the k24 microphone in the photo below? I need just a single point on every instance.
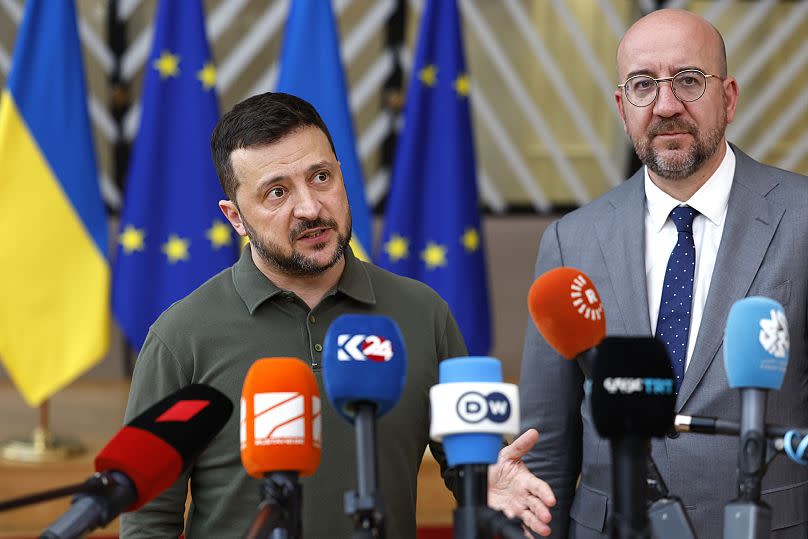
(756, 346)
(146, 457)
(280, 438)
(364, 370)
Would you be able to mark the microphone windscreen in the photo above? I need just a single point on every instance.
(567, 311)
(364, 360)
(632, 388)
(756, 344)
(158, 445)
(281, 421)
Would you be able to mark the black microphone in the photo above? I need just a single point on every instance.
(756, 348)
(146, 457)
(632, 400)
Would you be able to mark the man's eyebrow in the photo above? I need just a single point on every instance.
(650, 73)
(263, 184)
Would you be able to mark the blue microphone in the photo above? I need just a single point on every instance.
(471, 412)
(756, 346)
(364, 370)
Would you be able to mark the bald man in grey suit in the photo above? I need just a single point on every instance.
(751, 238)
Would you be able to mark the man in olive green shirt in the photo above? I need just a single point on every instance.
(277, 165)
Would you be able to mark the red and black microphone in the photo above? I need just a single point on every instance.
(144, 458)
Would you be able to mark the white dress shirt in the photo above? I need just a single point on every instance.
(660, 238)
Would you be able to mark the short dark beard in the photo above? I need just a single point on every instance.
(703, 149)
(297, 264)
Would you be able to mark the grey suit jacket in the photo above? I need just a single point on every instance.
(763, 251)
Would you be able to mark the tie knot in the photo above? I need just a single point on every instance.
(682, 217)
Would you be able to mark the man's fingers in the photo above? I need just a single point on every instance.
(539, 509)
(542, 491)
(530, 520)
(519, 447)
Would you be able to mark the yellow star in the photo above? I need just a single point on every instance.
(462, 85)
(132, 239)
(176, 248)
(397, 248)
(429, 75)
(470, 240)
(434, 255)
(207, 75)
(168, 65)
(219, 234)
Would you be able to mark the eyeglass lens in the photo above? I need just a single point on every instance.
(686, 85)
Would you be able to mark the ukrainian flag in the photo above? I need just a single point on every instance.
(311, 68)
(54, 275)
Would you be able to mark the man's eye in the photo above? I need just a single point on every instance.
(321, 176)
(275, 192)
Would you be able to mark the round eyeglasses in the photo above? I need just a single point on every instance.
(688, 85)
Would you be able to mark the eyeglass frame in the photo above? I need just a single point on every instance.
(670, 81)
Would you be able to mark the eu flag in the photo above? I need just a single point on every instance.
(311, 68)
(172, 235)
(54, 273)
(432, 230)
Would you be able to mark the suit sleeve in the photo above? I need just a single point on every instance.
(157, 374)
(551, 391)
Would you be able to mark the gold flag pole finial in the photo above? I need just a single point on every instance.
(42, 445)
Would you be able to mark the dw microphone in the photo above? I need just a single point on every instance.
(471, 412)
(364, 370)
(145, 457)
(756, 346)
(280, 438)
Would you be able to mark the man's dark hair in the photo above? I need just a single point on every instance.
(258, 120)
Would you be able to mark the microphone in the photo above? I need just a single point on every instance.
(632, 400)
(756, 345)
(471, 412)
(280, 437)
(146, 457)
(567, 310)
(364, 369)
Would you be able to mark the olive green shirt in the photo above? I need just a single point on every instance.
(213, 336)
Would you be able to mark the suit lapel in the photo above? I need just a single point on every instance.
(748, 230)
(622, 245)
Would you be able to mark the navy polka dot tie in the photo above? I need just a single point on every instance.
(673, 324)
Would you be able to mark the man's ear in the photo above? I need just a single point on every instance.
(230, 211)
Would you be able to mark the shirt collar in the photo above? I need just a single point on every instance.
(255, 288)
(710, 200)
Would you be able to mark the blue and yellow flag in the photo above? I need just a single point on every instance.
(311, 68)
(172, 237)
(54, 274)
(432, 229)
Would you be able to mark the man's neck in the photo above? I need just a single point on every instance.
(682, 189)
(309, 288)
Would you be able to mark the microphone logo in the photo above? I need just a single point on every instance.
(774, 334)
(473, 407)
(364, 347)
(585, 299)
(183, 411)
(280, 419)
(628, 386)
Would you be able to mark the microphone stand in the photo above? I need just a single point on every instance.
(667, 514)
(279, 514)
(473, 519)
(747, 517)
(629, 519)
(365, 505)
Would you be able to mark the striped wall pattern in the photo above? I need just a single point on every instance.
(546, 129)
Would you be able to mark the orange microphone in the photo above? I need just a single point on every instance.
(567, 311)
(280, 435)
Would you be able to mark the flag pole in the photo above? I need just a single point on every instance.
(42, 445)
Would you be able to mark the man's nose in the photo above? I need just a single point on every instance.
(667, 104)
(307, 205)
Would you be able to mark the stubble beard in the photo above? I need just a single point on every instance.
(682, 166)
(296, 263)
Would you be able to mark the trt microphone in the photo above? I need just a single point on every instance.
(471, 411)
(568, 312)
(364, 369)
(756, 346)
(632, 400)
(146, 457)
(280, 438)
